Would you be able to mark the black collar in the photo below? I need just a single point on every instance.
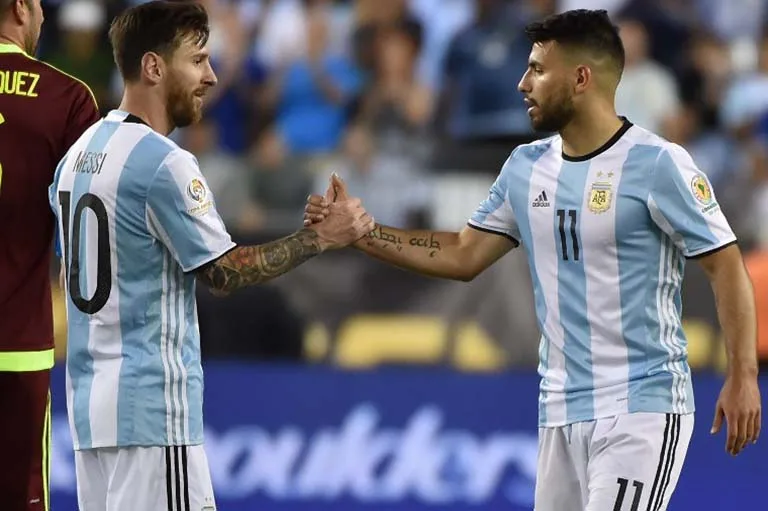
(615, 138)
(134, 119)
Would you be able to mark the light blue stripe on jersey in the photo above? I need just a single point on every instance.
(572, 293)
(674, 199)
(79, 359)
(635, 254)
(520, 195)
(140, 345)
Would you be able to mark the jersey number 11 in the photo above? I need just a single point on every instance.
(571, 215)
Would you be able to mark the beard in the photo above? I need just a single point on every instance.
(181, 106)
(556, 115)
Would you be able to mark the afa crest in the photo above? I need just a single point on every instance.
(600, 196)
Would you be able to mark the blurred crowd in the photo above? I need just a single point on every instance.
(379, 89)
(397, 94)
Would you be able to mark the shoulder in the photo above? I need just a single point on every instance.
(656, 150)
(529, 153)
(79, 89)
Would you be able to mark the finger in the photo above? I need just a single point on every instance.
(745, 422)
(749, 429)
(340, 187)
(718, 422)
(317, 200)
(330, 193)
(758, 425)
(316, 211)
(733, 432)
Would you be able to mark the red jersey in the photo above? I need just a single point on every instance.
(43, 111)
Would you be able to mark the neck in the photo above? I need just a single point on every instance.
(147, 107)
(7, 38)
(590, 130)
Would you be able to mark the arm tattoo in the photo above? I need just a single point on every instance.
(245, 266)
(384, 238)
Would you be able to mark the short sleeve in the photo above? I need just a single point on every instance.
(182, 213)
(682, 203)
(53, 201)
(83, 114)
(495, 214)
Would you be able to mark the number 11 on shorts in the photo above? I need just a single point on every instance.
(623, 484)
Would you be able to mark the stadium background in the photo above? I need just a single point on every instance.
(351, 385)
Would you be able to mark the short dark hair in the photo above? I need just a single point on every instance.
(5, 6)
(584, 29)
(158, 26)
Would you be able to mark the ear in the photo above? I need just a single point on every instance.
(20, 10)
(583, 78)
(153, 67)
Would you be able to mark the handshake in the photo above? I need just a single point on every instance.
(338, 220)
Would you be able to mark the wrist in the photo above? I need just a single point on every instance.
(321, 243)
(742, 369)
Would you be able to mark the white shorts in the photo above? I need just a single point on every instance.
(614, 464)
(145, 478)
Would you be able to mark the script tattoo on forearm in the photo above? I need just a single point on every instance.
(384, 238)
(428, 242)
(246, 266)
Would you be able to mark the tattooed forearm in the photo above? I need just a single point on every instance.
(386, 238)
(245, 266)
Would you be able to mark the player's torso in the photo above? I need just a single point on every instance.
(606, 279)
(32, 116)
(133, 342)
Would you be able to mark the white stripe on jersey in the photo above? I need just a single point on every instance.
(173, 325)
(164, 336)
(544, 177)
(183, 418)
(665, 307)
(108, 341)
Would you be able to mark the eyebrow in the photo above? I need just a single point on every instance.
(533, 63)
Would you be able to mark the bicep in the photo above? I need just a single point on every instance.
(726, 259)
(480, 249)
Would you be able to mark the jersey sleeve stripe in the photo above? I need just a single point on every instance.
(711, 250)
(73, 78)
(211, 259)
(481, 228)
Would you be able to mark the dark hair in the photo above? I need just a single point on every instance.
(584, 29)
(5, 6)
(158, 26)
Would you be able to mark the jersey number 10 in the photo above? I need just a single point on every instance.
(571, 215)
(103, 251)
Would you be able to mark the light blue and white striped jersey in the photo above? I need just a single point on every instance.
(606, 238)
(136, 218)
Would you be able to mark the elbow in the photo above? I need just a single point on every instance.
(467, 273)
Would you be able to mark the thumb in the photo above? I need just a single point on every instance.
(719, 414)
(330, 193)
(340, 187)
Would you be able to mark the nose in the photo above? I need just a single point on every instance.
(210, 77)
(524, 85)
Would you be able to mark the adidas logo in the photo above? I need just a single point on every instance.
(541, 201)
